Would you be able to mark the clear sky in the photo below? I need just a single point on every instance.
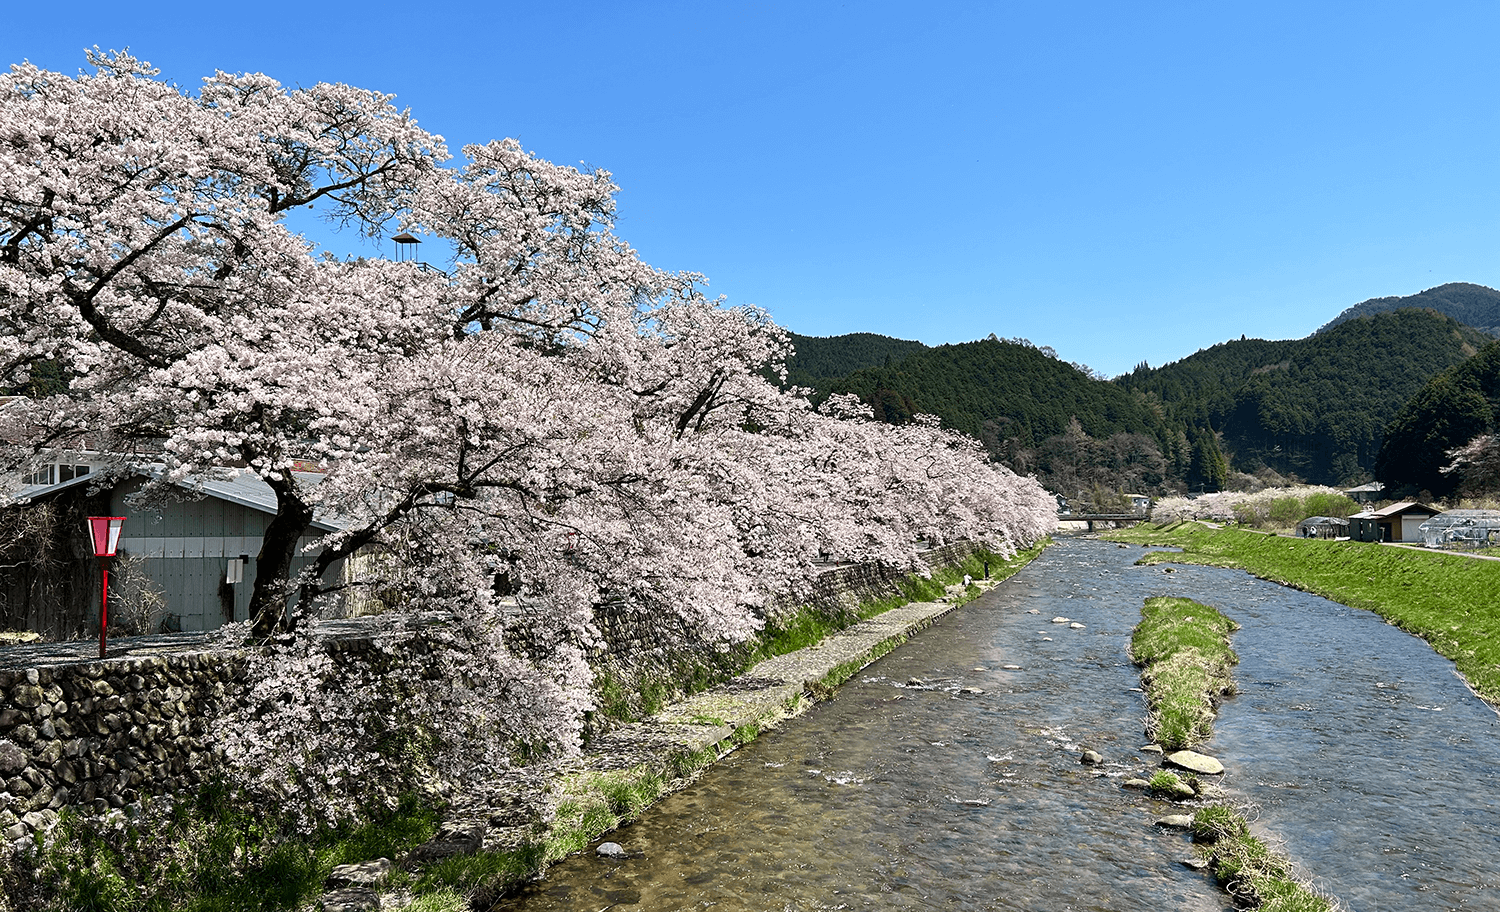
(1123, 182)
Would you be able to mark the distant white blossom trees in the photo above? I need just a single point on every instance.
(1477, 463)
(550, 409)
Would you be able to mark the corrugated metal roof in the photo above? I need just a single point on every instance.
(35, 490)
(244, 488)
(1406, 506)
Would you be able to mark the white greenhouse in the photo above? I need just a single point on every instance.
(1462, 529)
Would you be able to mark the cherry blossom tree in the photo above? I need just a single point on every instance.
(142, 247)
(1477, 463)
(548, 409)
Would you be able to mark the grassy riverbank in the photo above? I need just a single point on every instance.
(1183, 649)
(1446, 599)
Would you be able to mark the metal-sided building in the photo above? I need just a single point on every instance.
(198, 550)
(191, 546)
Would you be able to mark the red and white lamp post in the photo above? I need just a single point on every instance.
(104, 533)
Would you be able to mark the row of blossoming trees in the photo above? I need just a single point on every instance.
(549, 407)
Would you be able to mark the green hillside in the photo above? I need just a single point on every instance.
(1316, 407)
(995, 390)
(1469, 304)
(1447, 412)
(817, 359)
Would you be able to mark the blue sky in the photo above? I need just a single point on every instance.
(1123, 182)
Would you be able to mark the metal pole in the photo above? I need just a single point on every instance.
(103, 604)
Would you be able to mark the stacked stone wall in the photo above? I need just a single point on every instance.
(101, 734)
(640, 650)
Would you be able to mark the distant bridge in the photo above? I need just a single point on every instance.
(1092, 518)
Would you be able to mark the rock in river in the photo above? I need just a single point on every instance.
(1195, 762)
(611, 850)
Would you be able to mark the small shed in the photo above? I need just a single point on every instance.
(1462, 529)
(1323, 527)
(198, 550)
(1400, 522)
(190, 546)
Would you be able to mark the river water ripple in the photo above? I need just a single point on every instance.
(1358, 748)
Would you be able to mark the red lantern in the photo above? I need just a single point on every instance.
(104, 535)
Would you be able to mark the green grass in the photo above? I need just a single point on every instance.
(467, 877)
(1183, 649)
(1166, 782)
(214, 854)
(809, 625)
(1446, 599)
(1248, 869)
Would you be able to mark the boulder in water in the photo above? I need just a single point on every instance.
(1195, 762)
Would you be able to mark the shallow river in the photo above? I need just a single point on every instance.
(1359, 749)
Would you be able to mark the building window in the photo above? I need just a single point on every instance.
(70, 472)
(54, 474)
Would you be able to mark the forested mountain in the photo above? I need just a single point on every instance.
(1316, 407)
(820, 358)
(1448, 411)
(1471, 305)
(1035, 413)
(997, 389)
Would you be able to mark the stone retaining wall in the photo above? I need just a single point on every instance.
(641, 652)
(101, 734)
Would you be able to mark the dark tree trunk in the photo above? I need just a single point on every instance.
(268, 599)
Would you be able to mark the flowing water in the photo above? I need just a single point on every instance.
(1357, 747)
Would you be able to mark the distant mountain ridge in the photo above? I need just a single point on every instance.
(1469, 304)
(1315, 407)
